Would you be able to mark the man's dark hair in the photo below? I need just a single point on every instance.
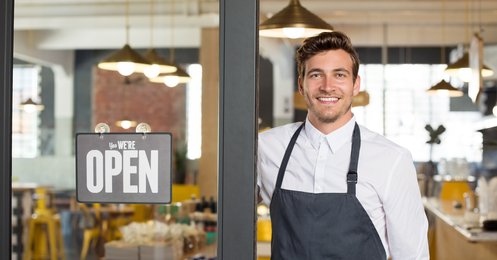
(326, 41)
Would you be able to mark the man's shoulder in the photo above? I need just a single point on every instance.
(380, 142)
(282, 132)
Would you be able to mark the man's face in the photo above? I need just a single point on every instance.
(328, 87)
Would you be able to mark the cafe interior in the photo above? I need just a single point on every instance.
(428, 83)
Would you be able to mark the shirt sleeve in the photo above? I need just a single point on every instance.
(406, 222)
(263, 193)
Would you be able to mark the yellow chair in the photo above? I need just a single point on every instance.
(264, 232)
(42, 225)
(93, 231)
(142, 212)
(182, 192)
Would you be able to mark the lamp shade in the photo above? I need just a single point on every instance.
(461, 69)
(157, 65)
(126, 61)
(30, 106)
(445, 87)
(173, 79)
(293, 21)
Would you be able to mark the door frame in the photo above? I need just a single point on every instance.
(6, 53)
(238, 113)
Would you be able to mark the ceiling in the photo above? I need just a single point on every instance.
(93, 24)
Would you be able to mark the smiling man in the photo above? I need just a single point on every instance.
(337, 190)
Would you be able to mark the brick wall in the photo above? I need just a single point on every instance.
(163, 108)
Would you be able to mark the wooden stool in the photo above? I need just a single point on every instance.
(42, 225)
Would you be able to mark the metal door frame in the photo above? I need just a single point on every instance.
(237, 127)
(6, 32)
(238, 113)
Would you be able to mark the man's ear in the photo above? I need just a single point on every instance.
(357, 85)
(300, 85)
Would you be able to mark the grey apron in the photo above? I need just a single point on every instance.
(322, 225)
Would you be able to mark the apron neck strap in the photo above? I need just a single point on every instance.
(354, 159)
(286, 157)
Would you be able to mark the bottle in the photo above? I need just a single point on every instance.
(213, 205)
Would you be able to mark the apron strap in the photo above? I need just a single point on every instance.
(354, 159)
(288, 152)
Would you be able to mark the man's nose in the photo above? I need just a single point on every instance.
(328, 83)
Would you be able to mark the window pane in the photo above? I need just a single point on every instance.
(409, 108)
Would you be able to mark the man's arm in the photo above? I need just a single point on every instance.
(406, 221)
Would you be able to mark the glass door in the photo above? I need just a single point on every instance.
(59, 90)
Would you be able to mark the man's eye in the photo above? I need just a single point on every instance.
(341, 75)
(315, 75)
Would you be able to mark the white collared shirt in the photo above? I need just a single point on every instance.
(387, 186)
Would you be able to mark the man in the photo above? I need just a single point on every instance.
(337, 190)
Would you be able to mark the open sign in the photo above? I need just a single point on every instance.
(123, 167)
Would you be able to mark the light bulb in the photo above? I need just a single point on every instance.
(486, 73)
(125, 124)
(171, 81)
(293, 33)
(126, 68)
(29, 108)
(152, 71)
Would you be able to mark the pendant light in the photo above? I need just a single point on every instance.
(30, 106)
(125, 122)
(157, 64)
(126, 61)
(443, 87)
(180, 76)
(461, 68)
(293, 21)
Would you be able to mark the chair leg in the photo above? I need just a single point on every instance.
(51, 240)
(87, 237)
(29, 246)
(60, 245)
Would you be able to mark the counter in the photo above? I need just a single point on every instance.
(450, 238)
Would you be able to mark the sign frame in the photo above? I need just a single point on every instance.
(109, 137)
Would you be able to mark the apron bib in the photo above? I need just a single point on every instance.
(318, 226)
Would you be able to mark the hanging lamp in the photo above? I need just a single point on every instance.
(125, 122)
(461, 69)
(126, 61)
(173, 79)
(443, 87)
(293, 21)
(30, 106)
(180, 76)
(157, 64)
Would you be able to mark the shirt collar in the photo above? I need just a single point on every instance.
(334, 139)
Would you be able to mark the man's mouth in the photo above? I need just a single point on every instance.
(328, 99)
